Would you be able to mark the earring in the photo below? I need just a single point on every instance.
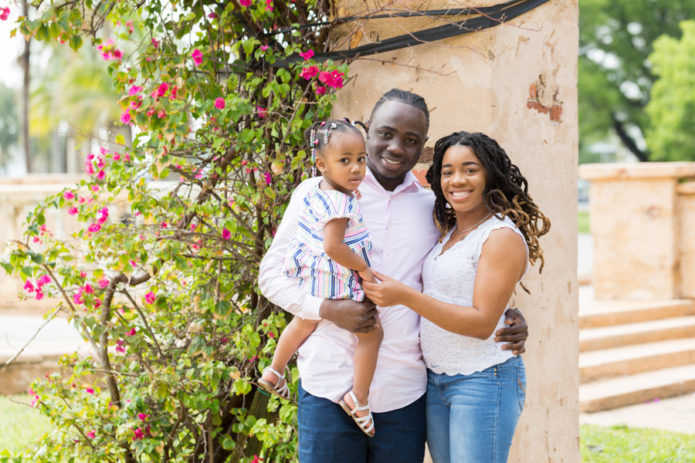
(447, 206)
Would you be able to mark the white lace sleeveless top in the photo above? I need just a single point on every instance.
(450, 277)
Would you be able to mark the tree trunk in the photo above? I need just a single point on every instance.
(25, 94)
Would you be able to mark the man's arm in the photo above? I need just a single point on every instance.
(280, 289)
(517, 332)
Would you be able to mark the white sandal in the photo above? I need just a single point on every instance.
(281, 391)
(366, 422)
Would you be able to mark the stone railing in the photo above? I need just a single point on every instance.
(643, 227)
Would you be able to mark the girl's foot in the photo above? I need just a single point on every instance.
(361, 414)
(274, 382)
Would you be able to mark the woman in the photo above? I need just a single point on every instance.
(490, 228)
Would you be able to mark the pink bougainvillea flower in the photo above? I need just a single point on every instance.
(88, 288)
(164, 225)
(268, 178)
(162, 89)
(256, 459)
(269, 5)
(320, 90)
(134, 90)
(226, 234)
(129, 25)
(143, 416)
(117, 54)
(91, 434)
(245, 3)
(253, 359)
(125, 117)
(174, 92)
(103, 283)
(264, 47)
(94, 188)
(212, 15)
(131, 332)
(155, 43)
(307, 55)
(4, 13)
(43, 280)
(69, 195)
(161, 114)
(151, 111)
(97, 303)
(119, 346)
(139, 435)
(219, 103)
(89, 390)
(150, 297)
(39, 295)
(29, 286)
(101, 175)
(262, 112)
(93, 228)
(197, 56)
(116, 156)
(310, 72)
(73, 210)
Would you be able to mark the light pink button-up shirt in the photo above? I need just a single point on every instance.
(402, 231)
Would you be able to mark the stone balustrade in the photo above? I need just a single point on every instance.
(643, 227)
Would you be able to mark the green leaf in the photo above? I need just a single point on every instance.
(75, 42)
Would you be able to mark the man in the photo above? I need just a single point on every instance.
(398, 214)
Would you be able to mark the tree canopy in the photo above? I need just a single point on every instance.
(615, 74)
(672, 106)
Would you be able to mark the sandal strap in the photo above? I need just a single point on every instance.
(362, 420)
(280, 376)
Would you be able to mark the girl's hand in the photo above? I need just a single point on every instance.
(386, 292)
(367, 275)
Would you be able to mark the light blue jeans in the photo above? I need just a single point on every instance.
(472, 418)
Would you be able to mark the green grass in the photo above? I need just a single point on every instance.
(20, 425)
(615, 444)
(583, 222)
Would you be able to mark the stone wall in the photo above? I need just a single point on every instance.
(643, 225)
(517, 83)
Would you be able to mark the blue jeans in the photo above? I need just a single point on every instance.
(328, 435)
(472, 418)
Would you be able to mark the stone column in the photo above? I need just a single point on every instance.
(686, 212)
(517, 83)
(634, 222)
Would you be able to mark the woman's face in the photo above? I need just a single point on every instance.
(396, 135)
(463, 180)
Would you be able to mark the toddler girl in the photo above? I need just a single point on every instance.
(328, 257)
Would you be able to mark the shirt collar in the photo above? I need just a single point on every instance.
(410, 183)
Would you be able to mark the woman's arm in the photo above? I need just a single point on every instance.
(502, 262)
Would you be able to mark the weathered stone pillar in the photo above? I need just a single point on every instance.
(517, 83)
(686, 209)
(635, 225)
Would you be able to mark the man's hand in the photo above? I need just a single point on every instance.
(356, 317)
(517, 332)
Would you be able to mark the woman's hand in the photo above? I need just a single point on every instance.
(386, 292)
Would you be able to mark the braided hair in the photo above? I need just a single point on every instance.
(319, 134)
(506, 190)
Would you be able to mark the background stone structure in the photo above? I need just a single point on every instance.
(517, 83)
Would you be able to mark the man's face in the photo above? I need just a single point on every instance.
(396, 135)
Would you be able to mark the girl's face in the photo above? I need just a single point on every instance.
(342, 162)
(463, 180)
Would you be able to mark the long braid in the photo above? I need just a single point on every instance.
(506, 190)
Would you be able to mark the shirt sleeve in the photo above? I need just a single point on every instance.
(332, 204)
(280, 289)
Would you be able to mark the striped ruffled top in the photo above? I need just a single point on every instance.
(307, 262)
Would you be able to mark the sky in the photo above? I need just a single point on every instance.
(10, 48)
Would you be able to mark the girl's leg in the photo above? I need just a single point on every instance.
(485, 408)
(364, 360)
(294, 334)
